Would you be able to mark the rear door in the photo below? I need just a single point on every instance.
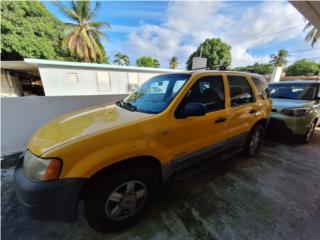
(243, 108)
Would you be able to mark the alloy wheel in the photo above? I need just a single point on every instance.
(255, 141)
(126, 200)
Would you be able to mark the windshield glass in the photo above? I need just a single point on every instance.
(295, 91)
(156, 94)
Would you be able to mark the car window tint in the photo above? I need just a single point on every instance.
(294, 91)
(209, 91)
(240, 91)
(262, 87)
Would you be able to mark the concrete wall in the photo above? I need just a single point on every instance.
(21, 117)
(56, 82)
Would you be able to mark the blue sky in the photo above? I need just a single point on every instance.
(163, 29)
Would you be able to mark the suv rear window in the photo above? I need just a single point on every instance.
(262, 87)
(240, 91)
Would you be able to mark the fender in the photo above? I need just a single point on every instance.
(93, 160)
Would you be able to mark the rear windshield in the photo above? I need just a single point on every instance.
(295, 91)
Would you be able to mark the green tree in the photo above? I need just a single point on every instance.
(83, 36)
(313, 35)
(260, 68)
(303, 68)
(280, 59)
(121, 59)
(28, 30)
(173, 63)
(156, 63)
(146, 61)
(216, 51)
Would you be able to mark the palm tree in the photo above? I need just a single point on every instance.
(83, 36)
(279, 60)
(313, 34)
(173, 63)
(121, 59)
(156, 63)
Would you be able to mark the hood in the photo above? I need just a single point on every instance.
(78, 124)
(280, 104)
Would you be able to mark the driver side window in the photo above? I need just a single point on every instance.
(209, 91)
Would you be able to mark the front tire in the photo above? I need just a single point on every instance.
(115, 202)
(254, 141)
(308, 135)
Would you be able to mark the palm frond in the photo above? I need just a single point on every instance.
(96, 43)
(87, 41)
(99, 33)
(99, 25)
(307, 26)
(67, 11)
(85, 9)
(94, 10)
(313, 35)
(70, 29)
(84, 38)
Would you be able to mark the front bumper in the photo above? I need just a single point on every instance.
(49, 200)
(287, 124)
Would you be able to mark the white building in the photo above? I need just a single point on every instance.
(59, 78)
(58, 87)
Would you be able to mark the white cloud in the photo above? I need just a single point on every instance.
(190, 23)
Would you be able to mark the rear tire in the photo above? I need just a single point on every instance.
(254, 141)
(117, 201)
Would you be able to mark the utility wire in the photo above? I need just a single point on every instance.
(313, 58)
(270, 34)
(304, 50)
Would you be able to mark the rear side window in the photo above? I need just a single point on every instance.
(262, 87)
(240, 91)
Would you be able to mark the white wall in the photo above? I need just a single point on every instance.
(55, 80)
(22, 116)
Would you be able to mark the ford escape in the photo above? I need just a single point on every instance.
(115, 156)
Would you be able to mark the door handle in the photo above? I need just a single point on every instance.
(220, 120)
(252, 111)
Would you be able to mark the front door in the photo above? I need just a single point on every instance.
(192, 136)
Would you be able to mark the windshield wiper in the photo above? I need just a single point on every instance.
(126, 105)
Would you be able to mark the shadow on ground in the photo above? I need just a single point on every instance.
(273, 196)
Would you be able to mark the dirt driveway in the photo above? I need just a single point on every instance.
(274, 196)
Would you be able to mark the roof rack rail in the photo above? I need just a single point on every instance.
(221, 67)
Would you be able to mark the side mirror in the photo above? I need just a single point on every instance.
(192, 109)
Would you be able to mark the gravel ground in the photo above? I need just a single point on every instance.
(273, 196)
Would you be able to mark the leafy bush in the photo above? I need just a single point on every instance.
(303, 68)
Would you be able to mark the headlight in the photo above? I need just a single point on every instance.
(296, 112)
(37, 168)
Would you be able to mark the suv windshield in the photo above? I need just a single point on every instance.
(295, 91)
(156, 94)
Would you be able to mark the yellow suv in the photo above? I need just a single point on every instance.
(114, 157)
